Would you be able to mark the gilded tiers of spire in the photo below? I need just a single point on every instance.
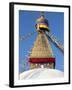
(41, 47)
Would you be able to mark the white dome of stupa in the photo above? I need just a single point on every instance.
(41, 73)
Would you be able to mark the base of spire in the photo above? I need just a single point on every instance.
(41, 60)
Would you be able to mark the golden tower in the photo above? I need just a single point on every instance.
(41, 55)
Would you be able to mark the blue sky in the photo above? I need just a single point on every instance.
(27, 21)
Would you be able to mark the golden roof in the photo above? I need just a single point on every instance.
(42, 48)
